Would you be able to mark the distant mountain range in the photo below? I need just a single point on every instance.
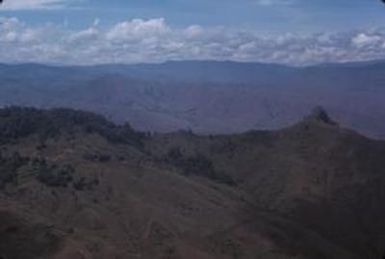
(205, 96)
(75, 185)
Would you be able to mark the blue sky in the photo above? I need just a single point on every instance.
(264, 15)
(315, 30)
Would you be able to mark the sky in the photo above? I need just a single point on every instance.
(295, 32)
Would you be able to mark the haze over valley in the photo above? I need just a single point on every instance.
(205, 96)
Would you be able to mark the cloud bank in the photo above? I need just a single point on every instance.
(153, 40)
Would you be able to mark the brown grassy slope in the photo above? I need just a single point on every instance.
(325, 178)
(137, 209)
(309, 191)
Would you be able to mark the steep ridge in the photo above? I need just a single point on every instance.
(313, 190)
(324, 177)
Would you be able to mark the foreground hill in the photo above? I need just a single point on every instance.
(207, 97)
(74, 185)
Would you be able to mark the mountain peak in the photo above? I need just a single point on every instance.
(319, 114)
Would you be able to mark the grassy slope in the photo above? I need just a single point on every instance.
(309, 191)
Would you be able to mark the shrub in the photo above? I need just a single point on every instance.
(83, 184)
(9, 166)
(54, 176)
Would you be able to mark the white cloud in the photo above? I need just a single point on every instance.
(274, 2)
(363, 39)
(154, 40)
(137, 29)
(193, 31)
(33, 4)
(89, 34)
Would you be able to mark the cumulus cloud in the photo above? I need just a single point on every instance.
(365, 39)
(154, 40)
(138, 29)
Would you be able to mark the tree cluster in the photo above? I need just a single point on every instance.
(19, 122)
(196, 164)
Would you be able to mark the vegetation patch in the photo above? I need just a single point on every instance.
(197, 164)
(9, 166)
(19, 122)
(13, 167)
(53, 175)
